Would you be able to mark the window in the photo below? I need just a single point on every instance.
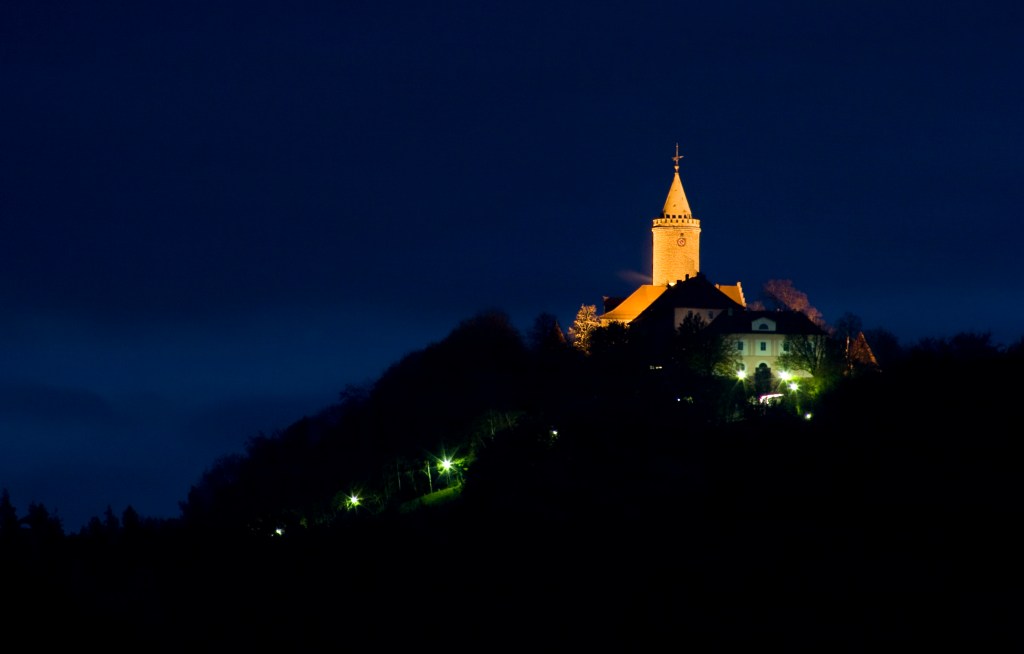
(764, 346)
(739, 345)
(785, 346)
(763, 327)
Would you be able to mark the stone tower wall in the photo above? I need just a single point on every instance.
(676, 249)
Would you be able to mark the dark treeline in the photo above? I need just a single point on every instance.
(592, 500)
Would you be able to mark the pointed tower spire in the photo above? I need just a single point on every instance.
(676, 236)
(676, 205)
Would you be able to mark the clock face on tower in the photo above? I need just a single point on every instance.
(681, 241)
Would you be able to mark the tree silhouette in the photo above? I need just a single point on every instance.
(702, 352)
(763, 380)
(885, 345)
(43, 526)
(110, 522)
(848, 326)
(9, 523)
(546, 334)
(131, 522)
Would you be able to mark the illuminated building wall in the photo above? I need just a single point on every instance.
(676, 236)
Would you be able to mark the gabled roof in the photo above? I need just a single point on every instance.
(627, 310)
(735, 293)
(698, 293)
(778, 322)
(693, 293)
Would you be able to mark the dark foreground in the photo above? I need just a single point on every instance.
(773, 549)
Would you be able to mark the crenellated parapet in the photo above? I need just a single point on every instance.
(671, 221)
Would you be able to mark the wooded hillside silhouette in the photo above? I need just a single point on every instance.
(590, 499)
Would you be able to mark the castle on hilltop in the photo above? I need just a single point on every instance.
(678, 289)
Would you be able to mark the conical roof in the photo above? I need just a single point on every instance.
(676, 205)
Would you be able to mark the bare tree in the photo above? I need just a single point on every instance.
(847, 326)
(585, 323)
(780, 294)
(816, 354)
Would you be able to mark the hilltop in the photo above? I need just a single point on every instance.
(591, 500)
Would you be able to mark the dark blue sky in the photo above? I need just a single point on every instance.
(214, 216)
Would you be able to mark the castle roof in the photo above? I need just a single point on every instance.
(627, 310)
(676, 205)
(735, 293)
(694, 293)
(699, 293)
(761, 322)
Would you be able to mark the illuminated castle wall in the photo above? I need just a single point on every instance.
(676, 236)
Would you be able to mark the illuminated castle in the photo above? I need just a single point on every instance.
(678, 289)
(676, 277)
(676, 236)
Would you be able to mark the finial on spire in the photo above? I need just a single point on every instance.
(677, 157)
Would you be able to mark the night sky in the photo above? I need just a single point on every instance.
(216, 215)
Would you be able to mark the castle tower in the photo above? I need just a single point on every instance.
(676, 236)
